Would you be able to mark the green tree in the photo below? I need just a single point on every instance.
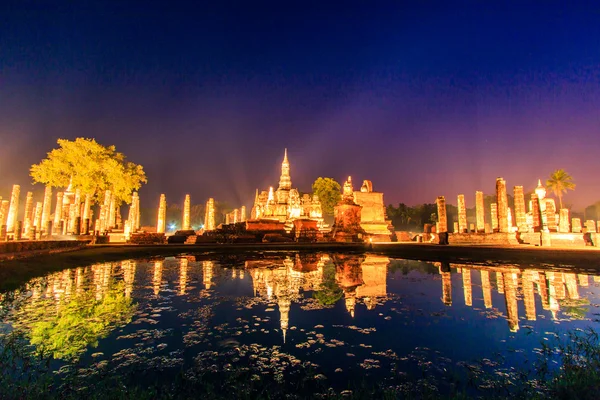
(329, 192)
(91, 167)
(560, 181)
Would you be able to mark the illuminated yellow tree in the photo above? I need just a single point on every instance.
(91, 167)
(560, 181)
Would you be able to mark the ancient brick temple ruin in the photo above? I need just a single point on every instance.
(372, 216)
(285, 204)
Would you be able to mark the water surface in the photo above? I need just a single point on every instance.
(336, 318)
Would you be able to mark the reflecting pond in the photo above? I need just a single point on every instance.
(335, 318)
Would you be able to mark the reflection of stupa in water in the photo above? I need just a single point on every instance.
(283, 280)
(361, 278)
(552, 287)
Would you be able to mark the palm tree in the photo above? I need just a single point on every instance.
(560, 181)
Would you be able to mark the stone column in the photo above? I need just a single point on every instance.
(494, 212)
(520, 213)
(37, 220)
(479, 212)
(550, 212)
(510, 219)
(564, 221)
(185, 225)
(535, 213)
(104, 212)
(48, 228)
(47, 207)
(18, 229)
(502, 205)
(29, 215)
(136, 225)
(227, 219)
(3, 231)
(243, 214)
(13, 209)
(209, 216)
(576, 225)
(112, 217)
(236, 216)
(131, 217)
(77, 225)
(87, 208)
(3, 212)
(462, 214)
(442, 216)
(75, 211)
(161, 223)
(590, 226)
(71, 220)
(58, 212)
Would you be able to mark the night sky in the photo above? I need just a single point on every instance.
(424, 99)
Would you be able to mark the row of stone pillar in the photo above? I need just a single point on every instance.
(542, 213)
(209, 216)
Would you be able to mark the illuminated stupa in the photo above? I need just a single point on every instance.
(285, 204)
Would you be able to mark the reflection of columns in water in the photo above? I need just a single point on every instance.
(350, 301)
(446, 284)
(510, 295)
(528, 294)
(183, 267)
(68, 283)
(486, 287)
(79, 280)
(596, 278)
(128, 276)
(467, 290)
(500, 282)
(552, 299)
(584, 280)
(207, 273)
(559, 283)
(572, 289)
(241, 274)
(233, 273)
(542, 287)
(157, 278)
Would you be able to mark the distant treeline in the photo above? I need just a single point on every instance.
(407, 218)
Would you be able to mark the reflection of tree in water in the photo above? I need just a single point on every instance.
(329, 292)
(575, 308)
(78, 323)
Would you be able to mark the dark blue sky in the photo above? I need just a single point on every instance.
(423, 99)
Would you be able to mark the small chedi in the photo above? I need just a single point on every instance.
(347, 217)
(360, 215)
(540, 223)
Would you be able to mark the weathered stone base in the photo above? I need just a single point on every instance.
(345, 237)
(499, 239)
(379, 238)
(28, 248)
(547, 239)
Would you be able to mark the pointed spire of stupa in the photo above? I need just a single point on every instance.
(285, 181)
